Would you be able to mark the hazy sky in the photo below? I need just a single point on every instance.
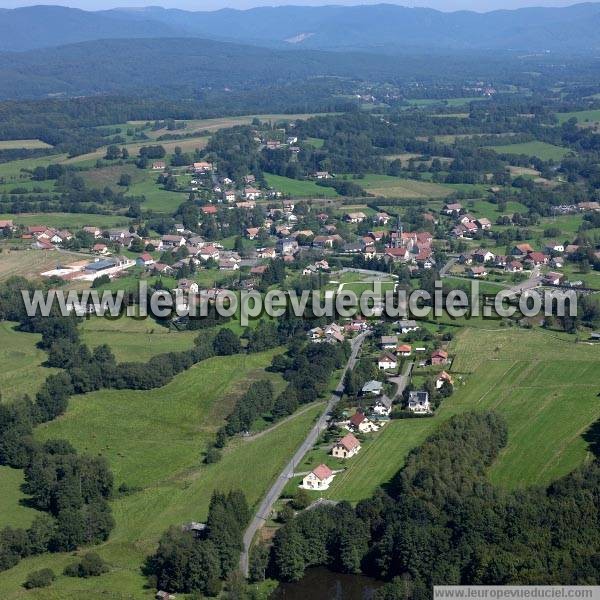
(478, 5)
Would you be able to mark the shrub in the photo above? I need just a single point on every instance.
(39, 579)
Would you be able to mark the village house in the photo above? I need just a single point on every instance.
(187, 286)
(452, 209)
(251, 193)
(95, 231)
(266, 252)
(229, 196)
(536, 259)
(162, 269)
(484, 223)
(173, 241)
(7, 224)
(404, 350)
(389, 342)
(418, 402)
(589, 206)
(521, 250)
(553, 278)
(372, 388)
(161, 595)
(478, 272)
(158, 165)
(208, 252)
(442, 378)
(252, 232)
(209, 209)
(322, 175)
(439, 357)
(355, 217)
(101, 249)
(319, 478)
(228, 264)
(359, 422)
(382, 407)
(196, 529)
(405, 326)
(333, 333)
(514, 266)
(387, 361)
(347, 447)
(381, 218)
(483, 256)
(551, 247)
(397, 254)
(287, 246)
(202, 167)
(144, 260)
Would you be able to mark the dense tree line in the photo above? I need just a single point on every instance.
(188, 563)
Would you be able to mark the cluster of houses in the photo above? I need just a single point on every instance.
(46, 238)
(522, 257)
(466, 225)
(334, 333)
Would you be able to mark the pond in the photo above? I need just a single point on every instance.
(322, 584)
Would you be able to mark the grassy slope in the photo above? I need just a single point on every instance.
(21, 361)
(142, 517)
(155, 440)
(388, 186)
(73, 220)
(299, 189)
(540, 149)
(584, 117)
(133, 340)
(545, 385)
(11, 511)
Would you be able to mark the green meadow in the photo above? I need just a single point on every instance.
(70, 220)
(154, 441)
(22, 371)
(135, 339)
(297, 188)
(542, 150)
(397, 187)
(544, 384)
(583, 117)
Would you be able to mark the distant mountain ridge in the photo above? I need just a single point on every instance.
(381, 27)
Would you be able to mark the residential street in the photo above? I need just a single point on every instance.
(401, 381)
(265, 507)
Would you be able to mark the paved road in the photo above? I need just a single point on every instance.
(449, 264)
(264, 510)
(402, 380)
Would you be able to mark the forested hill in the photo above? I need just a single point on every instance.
(385, 27)
(184, 68)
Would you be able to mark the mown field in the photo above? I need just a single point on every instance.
(155, 440)
(22, 371)
(299, 189)
(397, 187)
(224, 122)
(135, 340)
(69, 220)
(543, 383)
(542, 150)
(25, 144)
(584, 117)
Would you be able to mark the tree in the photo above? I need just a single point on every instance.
(226, 342)
(125, 180)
